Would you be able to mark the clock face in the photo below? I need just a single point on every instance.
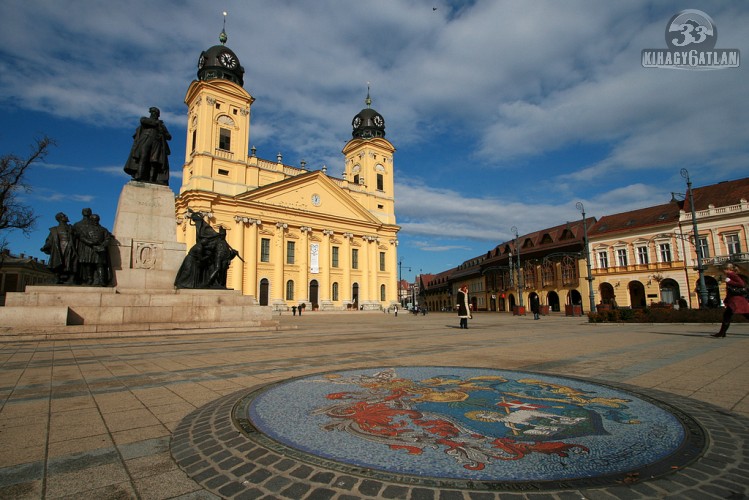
(228, 60)
(379, 121)
(356, 122)
(201, 61)
(316, 199)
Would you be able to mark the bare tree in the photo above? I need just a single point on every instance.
(13, 213)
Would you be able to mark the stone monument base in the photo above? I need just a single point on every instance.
(52, 311)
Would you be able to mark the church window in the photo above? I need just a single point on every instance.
(265, 250)
(335, 291)
(380, 183)
(334, 259)
(222, 171)
(194, 139)
(290, 290)
(382, 261)
(356, 179)
(354, 258)
(290, 247)
(218, 106)
(224, 139)
(382, 293)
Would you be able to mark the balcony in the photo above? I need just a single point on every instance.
(719, 260)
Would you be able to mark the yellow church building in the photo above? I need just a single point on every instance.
(304, 237)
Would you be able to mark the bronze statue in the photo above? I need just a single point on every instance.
(82, 248)
(93, 258)
(61, 248)
(149, 156)
(207, 262)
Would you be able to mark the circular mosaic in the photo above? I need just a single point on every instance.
(471, 427)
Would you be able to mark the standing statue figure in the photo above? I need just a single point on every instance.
(84, 250)
(149, 156)
(61, 248)
(95, 266)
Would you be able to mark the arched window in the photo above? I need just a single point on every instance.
(547, 273)
(569, 271)
(382, 293)
(335, 292)
(290, 290)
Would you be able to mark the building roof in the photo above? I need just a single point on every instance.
(658, 215)
(718, 195)
(722, 194)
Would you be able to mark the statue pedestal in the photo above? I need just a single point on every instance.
(146, 255)
(145, 259)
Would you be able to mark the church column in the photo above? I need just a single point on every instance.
(392, 285)
(250, 258)
(344, 289)
(324, 285)
(364, 264)
(237, 270)
(303, 252)
(278, 288)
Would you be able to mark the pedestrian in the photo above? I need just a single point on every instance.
(464, 309)
(736, 299)
(535, 306)
(293, 310)
(395, 308)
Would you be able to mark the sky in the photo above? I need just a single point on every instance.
(503, 113)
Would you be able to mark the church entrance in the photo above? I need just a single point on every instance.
(264, 285)
(314, 290)
(355, 296)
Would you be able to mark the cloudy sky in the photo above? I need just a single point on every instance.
(503, 113)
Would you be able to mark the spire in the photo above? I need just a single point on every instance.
(368, 100)
(222, 36)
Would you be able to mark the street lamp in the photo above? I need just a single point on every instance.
(400, 282)
(579, 205)
(700, 270)
(520, 275)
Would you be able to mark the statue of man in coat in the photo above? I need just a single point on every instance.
(149, 156)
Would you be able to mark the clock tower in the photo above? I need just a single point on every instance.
(218, 126)
(369, 162)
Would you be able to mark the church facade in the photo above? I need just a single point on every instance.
(303, 237)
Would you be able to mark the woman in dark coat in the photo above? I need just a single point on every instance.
(735, 301)
(464, 309)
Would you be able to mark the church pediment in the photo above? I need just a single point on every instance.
(309, 193)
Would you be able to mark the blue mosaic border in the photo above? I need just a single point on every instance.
(692, 446)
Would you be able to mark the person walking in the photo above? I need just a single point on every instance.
(736, 299)
(464, 310)
(535, 306)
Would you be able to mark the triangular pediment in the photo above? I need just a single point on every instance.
(311, 193)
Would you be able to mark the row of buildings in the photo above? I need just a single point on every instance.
(633, 259)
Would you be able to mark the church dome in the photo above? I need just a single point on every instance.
(220, 62)
(368, 123)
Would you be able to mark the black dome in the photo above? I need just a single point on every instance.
(368, 123)
(220, 62)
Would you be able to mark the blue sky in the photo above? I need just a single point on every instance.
(503, 113)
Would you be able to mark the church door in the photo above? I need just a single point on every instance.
(263, 292)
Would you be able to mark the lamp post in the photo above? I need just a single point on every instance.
(520, 275)
(700, 270)
(400, 282)
(591, 293)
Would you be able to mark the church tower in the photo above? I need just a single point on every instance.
(218, 127)
(369, 162)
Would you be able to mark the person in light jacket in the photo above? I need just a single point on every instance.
(464, 309)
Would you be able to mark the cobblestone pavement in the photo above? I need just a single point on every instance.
(150, 417)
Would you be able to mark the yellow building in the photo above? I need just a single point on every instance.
(305, 237)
